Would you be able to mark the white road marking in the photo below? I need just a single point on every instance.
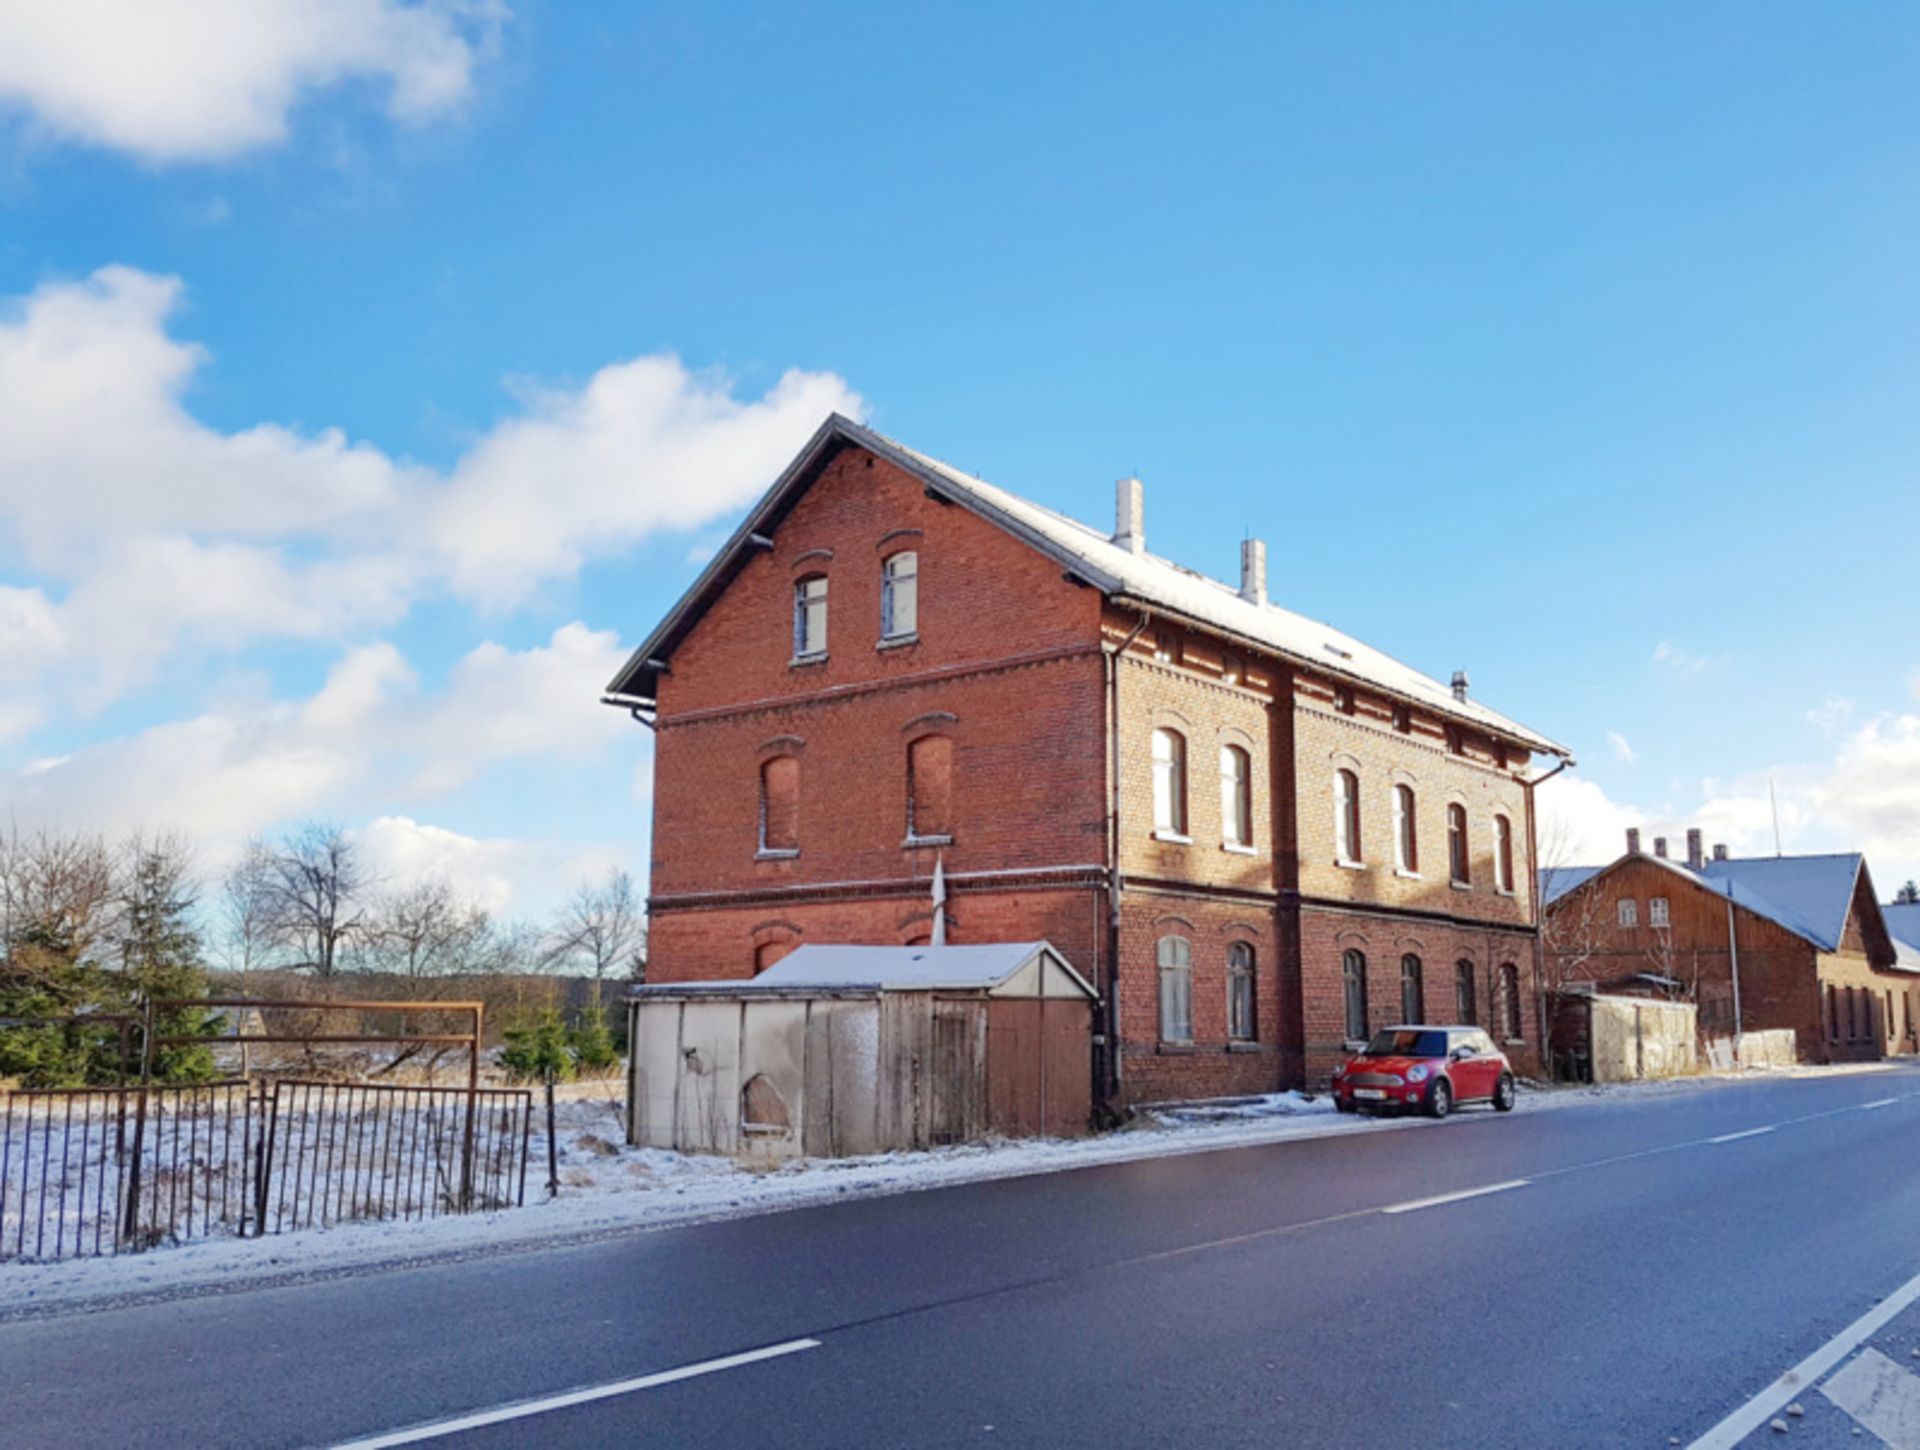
(1804, 1375)
(1882, 1103)
(1736, 1137)
(1881, 1396)
(1440, 1198)
(523, 1408)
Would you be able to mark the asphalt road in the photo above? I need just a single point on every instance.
(1636, 1281)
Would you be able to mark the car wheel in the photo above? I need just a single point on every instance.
(1341, 1105)
(1503, 1095)
(1440, 1099)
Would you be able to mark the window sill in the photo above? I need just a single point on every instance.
(1497, 891)
(1406, 875)
(1173, 838)
(898, 641)
(1461, 885)
(1176, 1049)
(1513, 1042)
(1355, 1044)
(1244, 1047)
(915, 842)
(1350, 865)
(802, 661)
(1229, 847)
(777, 853)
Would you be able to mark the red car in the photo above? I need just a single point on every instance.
(1430, 1069)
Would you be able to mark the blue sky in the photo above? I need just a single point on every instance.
(1573, 346)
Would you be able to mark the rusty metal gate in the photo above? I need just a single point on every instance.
(92, 1171)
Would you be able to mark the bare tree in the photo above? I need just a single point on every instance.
(426, 930)
(245, 910)
(314, 886)
(59, 901)
(1572, 929)
(603, 927)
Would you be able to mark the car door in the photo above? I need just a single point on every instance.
(1478, 1072)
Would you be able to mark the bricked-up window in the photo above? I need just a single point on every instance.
(1465, 1010)
(1657, 911)
(1353, 975)
(1459, 863)
(1236, 796)
(1240, 1021)
(1628, 911)
(810, 616)
(930, 788)
(1503, 854)
(1170, 782)
(1413, 992)
(1829, 1011)
(1406, 829)
(1506, 1007)
(900, 595)
(1346, 817)
(780, 804)
(1176, 989)
(767, 953)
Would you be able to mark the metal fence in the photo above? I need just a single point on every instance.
(91, 1171)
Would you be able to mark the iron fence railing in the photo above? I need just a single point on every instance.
(91, 1171)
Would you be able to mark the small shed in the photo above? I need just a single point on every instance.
(836, 1051)
(1601, 1037)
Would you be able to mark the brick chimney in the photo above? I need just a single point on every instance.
(1130, 515)
(1460, 685)
(1633, 840)
(1660, 847)
(1253, 571)
(1720, 850)
(1696, 853)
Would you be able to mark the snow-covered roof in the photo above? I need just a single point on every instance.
(984, 967)
(1089, 554)
(1811, 896)
(1903, 920)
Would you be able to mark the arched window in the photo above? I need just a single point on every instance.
(1346, 817)
(930, 788)
(1457, 844)
(1236, 796)
(1507, 1009)
(1176, 989)
(1406, 830)
(1353, 973)
(1503, 854)
(810, 617)
(1170, 782)
(900, 595)
(1413, 992)
(780, 805)
(1240, 1020)
(1466, 1011)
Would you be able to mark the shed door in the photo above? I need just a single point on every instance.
(954, 1086)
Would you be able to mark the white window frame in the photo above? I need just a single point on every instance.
(1503, 854)
(1174, 956)
(1236, 797)
(1658, 911)
(1348, 840)
(1169, 784)
(1627, 911)
(900, 596)
(810, 617)
(1406, 830)
(1241, 990)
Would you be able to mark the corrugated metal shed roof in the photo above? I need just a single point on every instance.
(950, 968)
(1092, 555)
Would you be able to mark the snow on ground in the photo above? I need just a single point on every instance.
(607, 1188)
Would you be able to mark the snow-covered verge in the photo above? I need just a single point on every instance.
(607, 1188)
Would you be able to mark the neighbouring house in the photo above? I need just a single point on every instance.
(1757, 944)
(1903, 921)
(1256, 837)
(836, 1051)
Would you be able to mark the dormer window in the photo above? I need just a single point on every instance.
(810, 617)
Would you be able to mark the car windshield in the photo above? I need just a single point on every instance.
(1407, 1042)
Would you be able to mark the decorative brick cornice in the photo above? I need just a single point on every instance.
(968, 883)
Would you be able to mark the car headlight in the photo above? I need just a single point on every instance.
(1419, 1074)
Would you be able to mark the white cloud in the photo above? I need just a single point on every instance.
(497, 874)
(195, 80)
(1831, 714)
(171, 534)
(1622, 750)
(1677, 659)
